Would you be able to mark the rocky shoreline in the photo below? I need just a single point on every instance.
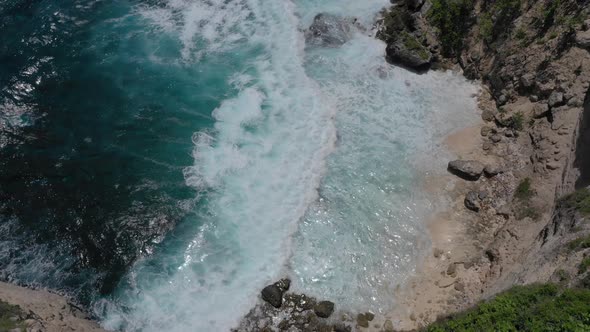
(24, 309)
(510, 219)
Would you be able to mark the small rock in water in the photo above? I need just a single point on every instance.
(370, 316)
(324, 309)
(362, 321)
(466, 169)
(340, 327)
(388, 326)
(472, 201)
(273, 295)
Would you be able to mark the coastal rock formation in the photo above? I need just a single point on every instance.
(467, 169)
(406, 44)
(324, 309)
(472, 201)
(297, 312)
(329, 30)
(273, 294)
(533, 58)
(41, 311)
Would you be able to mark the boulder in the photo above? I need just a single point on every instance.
(283, 284)
(329, 30)
(273, 295)
(362, 321)
(466, 169)
(492, 170)
(488, 115)
(408, 52)
(556, 99)
(472, 201)
(340, 327)
(324, 309)
(388, 326)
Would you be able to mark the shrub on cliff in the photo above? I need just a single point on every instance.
(580, 200)
(542, 307)
(452, 19)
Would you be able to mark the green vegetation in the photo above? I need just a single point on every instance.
(412, 44)
(549, 13)
(543, 307)
(580, 243)
(524, 191)
(520, 34)
(562, 275)
(584, 265)
(517, 121)
(452, 19)
(580, 200)
(7, 311)
(523, 195)
(486, 28)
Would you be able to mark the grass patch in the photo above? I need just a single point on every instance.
(523, 194)
(562, 275)
(580, 200)
(412, 44)
(584, 265)
(579, 243)
(8, 311)
(541, 307)
(524, 191)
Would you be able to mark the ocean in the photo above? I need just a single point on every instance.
(162, 161)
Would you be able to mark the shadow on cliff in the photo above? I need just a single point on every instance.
(583, 146)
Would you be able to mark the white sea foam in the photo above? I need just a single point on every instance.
(261, 166)
(272, 148)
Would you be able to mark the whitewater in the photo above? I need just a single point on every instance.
(311, 170)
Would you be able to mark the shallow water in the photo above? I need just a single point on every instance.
(163, 160)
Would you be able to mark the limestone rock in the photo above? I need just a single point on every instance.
(466, 169)
(492, 170)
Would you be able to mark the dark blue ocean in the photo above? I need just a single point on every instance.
(162, 160)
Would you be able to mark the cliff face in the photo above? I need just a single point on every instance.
(533, 58)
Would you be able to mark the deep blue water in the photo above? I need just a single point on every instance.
(94, 136)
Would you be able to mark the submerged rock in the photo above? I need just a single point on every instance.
(362, 320)
(329, 30)
(324, 309)
(466, 169)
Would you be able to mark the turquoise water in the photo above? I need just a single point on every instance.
(163, 160)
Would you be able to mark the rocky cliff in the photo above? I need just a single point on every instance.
(526, 223)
